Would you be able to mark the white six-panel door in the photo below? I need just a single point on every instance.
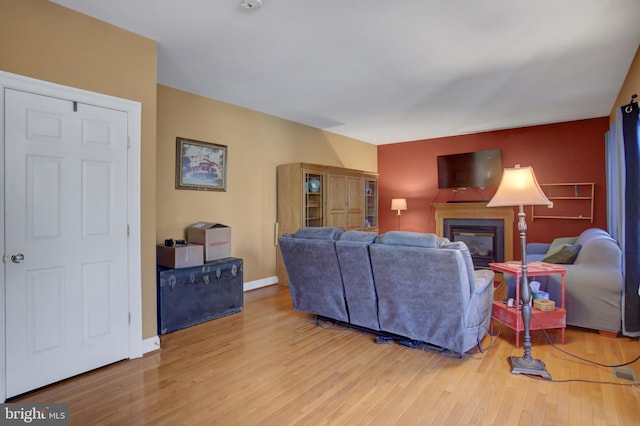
(66, 265)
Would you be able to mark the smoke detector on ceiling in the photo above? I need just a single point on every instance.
(251, 4)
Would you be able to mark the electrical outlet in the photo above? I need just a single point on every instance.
(626, 373)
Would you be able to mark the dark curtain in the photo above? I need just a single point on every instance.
(631, 217)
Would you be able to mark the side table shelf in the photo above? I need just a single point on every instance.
(512, 316)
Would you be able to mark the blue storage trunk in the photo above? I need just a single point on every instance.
(189, 296)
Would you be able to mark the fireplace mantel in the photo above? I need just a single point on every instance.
(477, 211)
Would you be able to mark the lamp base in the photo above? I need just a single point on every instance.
(530, 366)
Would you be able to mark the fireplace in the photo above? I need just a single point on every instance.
(483, 237)
(479, 216)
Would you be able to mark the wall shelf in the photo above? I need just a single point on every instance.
(570, 201)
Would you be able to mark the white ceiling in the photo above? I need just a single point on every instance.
(386, 71)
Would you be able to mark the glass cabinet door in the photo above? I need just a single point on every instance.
(313, 189)
(371, 204)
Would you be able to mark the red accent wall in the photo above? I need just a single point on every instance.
(559, 153)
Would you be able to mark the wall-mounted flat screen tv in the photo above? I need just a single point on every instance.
(478, 169)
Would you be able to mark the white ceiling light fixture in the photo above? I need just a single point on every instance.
(251, 4)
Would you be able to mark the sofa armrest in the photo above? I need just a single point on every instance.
(587, 278)
(600, 252)
(478, 312)
(483, 278)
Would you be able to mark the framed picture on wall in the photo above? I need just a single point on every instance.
(200, 166)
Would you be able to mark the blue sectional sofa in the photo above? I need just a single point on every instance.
(417, 286)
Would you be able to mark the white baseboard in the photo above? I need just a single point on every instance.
(151, 344)
(252, 285)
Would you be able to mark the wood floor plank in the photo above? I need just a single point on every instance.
(271, 365)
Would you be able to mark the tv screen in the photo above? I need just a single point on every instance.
(478, 169)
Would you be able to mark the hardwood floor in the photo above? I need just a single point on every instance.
(271, 365)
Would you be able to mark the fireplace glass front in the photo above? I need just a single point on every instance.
(483, 237)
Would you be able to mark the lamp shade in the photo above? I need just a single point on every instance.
(398, 204)
(518, 186)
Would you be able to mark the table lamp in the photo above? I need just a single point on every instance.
(518, 187)
(399, 204)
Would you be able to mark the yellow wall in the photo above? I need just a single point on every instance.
(256, 144)
(630, 86)
(42, 40)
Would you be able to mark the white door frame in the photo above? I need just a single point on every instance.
(133, 110)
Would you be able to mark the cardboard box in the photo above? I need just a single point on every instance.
(215, 237)
(181, 256)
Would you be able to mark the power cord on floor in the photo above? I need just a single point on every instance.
(493, 341)
(579, 357)
(636, 384)
(479, 349)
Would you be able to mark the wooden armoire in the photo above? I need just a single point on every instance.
(319, 195)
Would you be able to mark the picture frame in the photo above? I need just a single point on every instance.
(200, 166)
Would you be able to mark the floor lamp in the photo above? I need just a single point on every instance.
(398, 204)
(518, 187)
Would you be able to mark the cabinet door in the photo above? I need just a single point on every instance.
(345, 201)
(355, 202)
(337, 201)
(371, 204)
(313, 189)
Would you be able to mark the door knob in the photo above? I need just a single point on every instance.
(17, 258)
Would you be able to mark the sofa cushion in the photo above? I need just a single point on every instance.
(558, 243)
(564, 254)
(317, 233)
(315, 280)
(412, 239)
(358, 236)
(357, 276)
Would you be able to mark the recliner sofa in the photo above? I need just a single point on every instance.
(418, 286)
